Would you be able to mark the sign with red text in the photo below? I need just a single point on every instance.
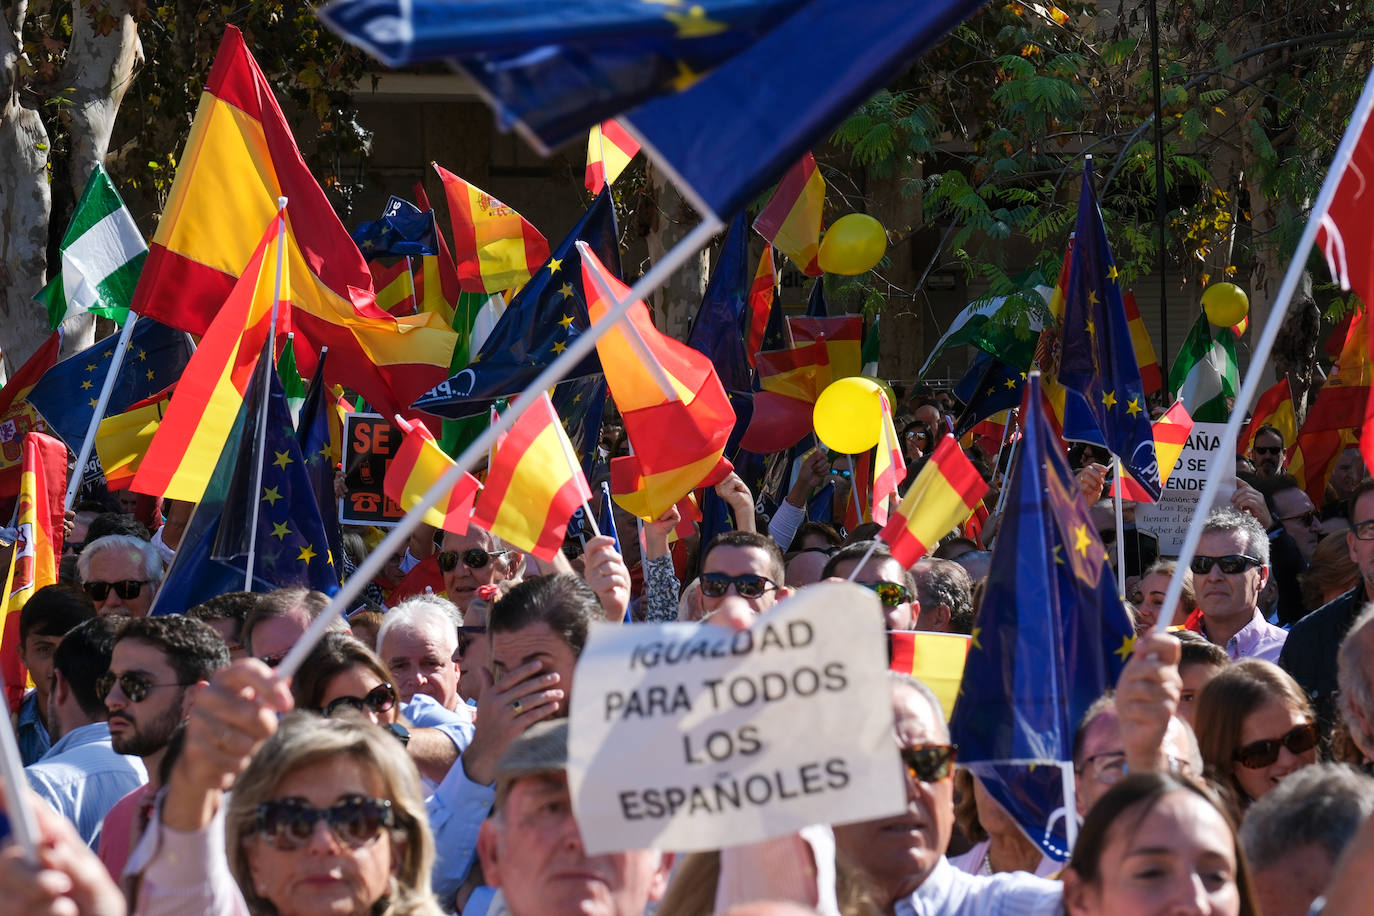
(370, 443)
(695, 737)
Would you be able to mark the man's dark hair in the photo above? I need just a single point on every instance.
(1268, 486)
(116, 523)
(946, 582)
(1199, 650)
(193, 649)
(53, 610)
(563, 602)
(233, 606)
(83, 656)
(826, 532)
(1271, 431)
(1365, 486)
(777, 566)
(857, 551)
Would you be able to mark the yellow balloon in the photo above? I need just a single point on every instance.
(1225, 304)
(852, 245)
(848, 415)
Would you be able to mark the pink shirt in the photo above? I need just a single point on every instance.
(121, 822)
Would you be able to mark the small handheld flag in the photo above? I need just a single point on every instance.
(945, 493)
(418, 464)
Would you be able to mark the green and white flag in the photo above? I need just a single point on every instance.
(869, 354)
(102, 255)
(1206, 373)
(291, 382)
(1005, 326)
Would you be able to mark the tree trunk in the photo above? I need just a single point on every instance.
(677, 301)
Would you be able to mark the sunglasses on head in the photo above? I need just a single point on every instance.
(127, 589)
(289, 823)
(1259, 754)
(379, 699)
(930, 762)
(890, 594)
(1230, 564)
(473, 558)
(135, 686)
(715, 585)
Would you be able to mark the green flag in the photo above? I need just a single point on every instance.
(102, 255)
(291, 381)
(1206, 373)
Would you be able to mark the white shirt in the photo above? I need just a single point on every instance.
(950, 892)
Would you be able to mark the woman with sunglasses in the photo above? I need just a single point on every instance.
(1255, 726)
(341, 673)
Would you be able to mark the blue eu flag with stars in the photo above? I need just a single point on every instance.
(404, 230)
(989, 387)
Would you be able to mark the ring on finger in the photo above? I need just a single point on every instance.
(515, 705)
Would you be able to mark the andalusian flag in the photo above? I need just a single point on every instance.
(291, 381)
(889, 467)
(534, 483)
(1171, 433)
(1206, 373)
(761, 292)
(239, 158)
(495, 248)
(609, 150)
(418, 463)
(102, 255)
(187, 446)
(1274, 408)
(945, 493)
(791, 221)
(37, 546)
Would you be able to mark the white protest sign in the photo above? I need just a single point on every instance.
(1168, 518)
(693, 737)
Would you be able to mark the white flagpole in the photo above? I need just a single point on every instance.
(1259, 356)
(581, 346)
(1070, 803)
(102, 402)
(260, 434)
(17, 807)
(1120, 533)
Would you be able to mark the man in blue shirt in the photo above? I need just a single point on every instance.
(48, 614)
(82, 776)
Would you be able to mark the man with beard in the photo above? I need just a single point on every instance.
(157, 667)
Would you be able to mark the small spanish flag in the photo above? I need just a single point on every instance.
(1151, 376)
(761, 292)
(495, 248)
(1171, 432)
(800, 372)
(609, 150)
(791, 220)
(946, 491)
(1274, 408)
(889, 467)
(419, 462)
(842, 335)
(934, 659)
(534, 484)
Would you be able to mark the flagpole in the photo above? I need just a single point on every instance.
(116, 360)
(573, 466)
(1002, 493)
(1120, 532)
(863, 561)
(1259, 356)
(410, 275)
(854, 490)
(582, 345)
(261, 433)
(1070, 803)
(18, 808)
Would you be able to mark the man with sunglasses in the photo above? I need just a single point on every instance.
(1267, 452)
(121, 573)
(742, 573)
(1230, 570)
(882, 573)
(473, 559)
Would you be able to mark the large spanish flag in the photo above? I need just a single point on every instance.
(889, 466)
(791, 220)
(609, 150)
(418, 463)
(187, 446)
(946, 491)
(239, 158)
(495, 248)
(534, 483)
(678, 436)
(122, 440)
(1171, 433)
(37, 546)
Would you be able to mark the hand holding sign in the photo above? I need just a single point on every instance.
(756, 732)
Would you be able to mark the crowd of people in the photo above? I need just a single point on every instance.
(417, 762)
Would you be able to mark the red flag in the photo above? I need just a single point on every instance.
(1333, 421)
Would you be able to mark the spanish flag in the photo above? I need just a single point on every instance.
(761, 292)
(1151, 376)
(946, 491)
(609, 150)
(843, 337)
(439, 288)
(122, 440)
(36, 547)
(534, 483)
(801, 372)
(1274, 408)
(889, 466)
(19, 416)
(495, 248)
(678, 436)
(239, 158)
(395, 288)
(791, 220)
(1333, 421)
(934, 659)
(188, 443)
(418, 463)
(1171, 432)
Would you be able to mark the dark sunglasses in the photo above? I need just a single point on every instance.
(1268, 449)
(288, 823)
(890, 594)
(135, 686)
(379, 699)
(126, 589)
(929, 763)
(715, 585)
(1259, 754)
(473, 558)
(1308, 518)
(1231, 565)
(466, 637)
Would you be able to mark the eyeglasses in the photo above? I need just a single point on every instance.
(890, 594)
(272, 661)
(1308, 518)
(715, 585)
(288, 823)
(1110, 768)
(135, 686)
(379, 699)
(466, 637)
(473, 558)
(127, 589)
(1230, 564)
(930, 762)
(1364, 530)
(1259, 754)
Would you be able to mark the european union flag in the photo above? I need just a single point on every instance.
(548, 312)
(1098, 361)
(66, 394)
(317, 450)
(718, 331)
(816, 306)
(1050, 638)
(580, 403)
(404, 230)
(989, 387)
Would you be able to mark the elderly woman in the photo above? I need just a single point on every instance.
(326, 815)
